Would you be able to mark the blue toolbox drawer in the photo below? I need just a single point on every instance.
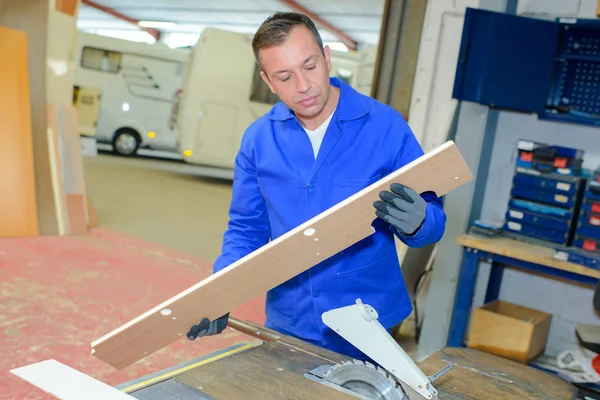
(543, 196)
(590, 205)
(537, 232)
(578, 256)
(587, 244)
(589, 220)
(532, 218)
(593, 191)
(590, 232)
(542, 182)
(544, 209)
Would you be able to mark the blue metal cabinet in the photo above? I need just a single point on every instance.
(505, 60)
(548, 67)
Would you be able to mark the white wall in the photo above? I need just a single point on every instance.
(430, 116)
(562, 8)
(432, 106)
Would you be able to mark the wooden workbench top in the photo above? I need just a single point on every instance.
(478, 375)
(275, 370)
(524, 251)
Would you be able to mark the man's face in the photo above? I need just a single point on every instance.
(298, 73)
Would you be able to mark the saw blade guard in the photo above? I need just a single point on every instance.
(358, 324)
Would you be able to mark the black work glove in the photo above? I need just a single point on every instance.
(208, 328)
(401, 207)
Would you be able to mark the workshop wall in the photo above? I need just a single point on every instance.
(563, 8)
(432, 106)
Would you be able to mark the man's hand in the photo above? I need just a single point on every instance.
(208, 328)
(402, 207)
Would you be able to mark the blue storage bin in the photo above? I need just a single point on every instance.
(544, 183)
(543, 196)
(537, 232)
(543, 209)
(531, 218)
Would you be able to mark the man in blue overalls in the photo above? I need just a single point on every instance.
(320, 144)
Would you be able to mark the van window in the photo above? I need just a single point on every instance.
(102, 60)
(260, 92)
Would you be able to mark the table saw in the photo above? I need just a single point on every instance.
(284, 367)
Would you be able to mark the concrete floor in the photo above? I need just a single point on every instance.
(161, 201)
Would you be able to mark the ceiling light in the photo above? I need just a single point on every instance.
(156, 24)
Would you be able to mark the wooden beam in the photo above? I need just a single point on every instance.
(34, 18)
(347, 40)
(68, 7)
(335, 229)
(153, 32)
(18, 215)
(398, 52)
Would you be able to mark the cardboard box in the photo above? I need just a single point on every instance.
(509, 330)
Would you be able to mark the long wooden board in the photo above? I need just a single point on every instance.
(56, 168)
(18, 206)
(68, 7)
(73, 176)
(337, 228)
(31, 17)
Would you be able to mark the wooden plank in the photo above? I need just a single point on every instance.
(67, 383)
(68, 7)
(18, 215)
(56, 169)
(268, 371)
(479, 375)
(93, 218)
(73, 177)
(77, 214)
(32, 16)
(524, 251)
(283, 258)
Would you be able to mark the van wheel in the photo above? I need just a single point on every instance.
(126, 142)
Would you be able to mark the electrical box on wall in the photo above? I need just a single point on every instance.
(548, 67)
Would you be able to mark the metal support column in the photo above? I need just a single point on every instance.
(475, 138)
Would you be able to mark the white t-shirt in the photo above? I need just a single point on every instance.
(316, 136)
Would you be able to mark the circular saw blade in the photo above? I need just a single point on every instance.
(366, 379)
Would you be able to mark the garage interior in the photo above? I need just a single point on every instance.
(122, 121)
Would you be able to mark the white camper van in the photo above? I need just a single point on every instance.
(138, 82)
(223, 94)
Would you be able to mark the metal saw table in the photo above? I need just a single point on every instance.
(280, 368)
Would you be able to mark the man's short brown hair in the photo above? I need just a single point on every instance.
(275, 30)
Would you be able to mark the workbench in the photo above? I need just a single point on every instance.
(276, 367)
(503, 252)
